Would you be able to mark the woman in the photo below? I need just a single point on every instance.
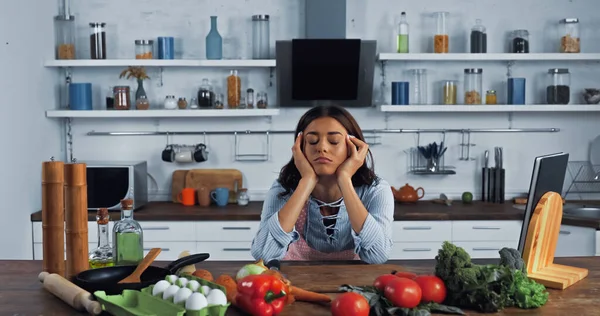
(327, 203)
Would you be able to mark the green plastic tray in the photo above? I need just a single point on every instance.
(136, 303)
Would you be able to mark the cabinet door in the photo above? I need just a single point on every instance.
(575, 241)
(486, 231)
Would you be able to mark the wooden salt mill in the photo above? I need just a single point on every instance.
(53, 217)
(76, 219)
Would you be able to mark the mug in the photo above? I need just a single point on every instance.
(203, 196)
(168, 154)
(184, 156)
(200, 153)
(220, 196)
(186, 197)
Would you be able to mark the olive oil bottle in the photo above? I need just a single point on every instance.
(128, 237)
(102, 256)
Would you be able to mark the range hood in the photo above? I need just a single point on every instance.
(324, 65)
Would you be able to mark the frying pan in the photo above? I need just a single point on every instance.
(106, 279)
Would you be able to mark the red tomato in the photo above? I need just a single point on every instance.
(383, 280)
(433, 288)
(403, 292)
(350, 304)
(408, 275)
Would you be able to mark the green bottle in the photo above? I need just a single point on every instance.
(402, 37)
(128, 237)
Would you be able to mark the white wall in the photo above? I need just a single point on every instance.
(188, 21)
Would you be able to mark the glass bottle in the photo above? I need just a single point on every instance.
(128, 237)
(441, 40)
(243, 198)
(569, 40)
(103, 255)
(234, 89)
(250, 98)
(262, 101)
(418, 86)
(558, 90)
(402, 37)
(519, 42)
(473, 85)
(194, 103)
(110, 99)
(260, 36)
(206, 95)
(64, 33)
(214, 41)
(97, 40)
(478, 38)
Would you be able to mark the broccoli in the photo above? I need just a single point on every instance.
(511, 258)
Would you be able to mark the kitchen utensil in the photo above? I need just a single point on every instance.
(147, 261)
(69, 293)
(595, 151)
(408, 194)
(432, 151)
(443, 200)
(106, 279)
(485, 176)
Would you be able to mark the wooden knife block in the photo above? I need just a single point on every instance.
(540, 246)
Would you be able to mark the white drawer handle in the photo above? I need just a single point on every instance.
(236, 228)
(156, 228)
(486, 227)
(486, 249)
(416, 249)
(417, 228)
(565, 232)
(162, 249)
(236, 249)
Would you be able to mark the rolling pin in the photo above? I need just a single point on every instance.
(70, 293)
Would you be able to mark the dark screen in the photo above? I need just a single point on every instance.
(106, 186)
(325, 69)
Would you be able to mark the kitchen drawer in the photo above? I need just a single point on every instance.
(486, 249)
(414, 250)
(92, 231)
(38, 250)
(226, 250)
(169, 231)
(170, 250)
(227, 230)
(576, 241)
(419, 231)
(486, 230)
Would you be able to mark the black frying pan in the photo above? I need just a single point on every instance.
(106, 279)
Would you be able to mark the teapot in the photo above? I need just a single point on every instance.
(408, 194)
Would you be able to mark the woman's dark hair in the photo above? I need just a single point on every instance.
(289, 177)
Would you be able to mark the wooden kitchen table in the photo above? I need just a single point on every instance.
(21, 294)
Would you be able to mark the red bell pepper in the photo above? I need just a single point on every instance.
(261, 295)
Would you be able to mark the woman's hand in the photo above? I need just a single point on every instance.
(356, 158)
(301, 162)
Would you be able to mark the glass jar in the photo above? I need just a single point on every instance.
(170, 102)
(194, 103)
(243, 198)
(519, 42)
(478, 38)
(262, 101)
(143, 49)
(490, 97)
(64, 33)
(234, 89)
(441, 40)
(182, 103)
(206, 95)
(122, 97)
(473, 85)
(219, 102)
(449, 92)
(418, 86)
(558, 90)
(569, 41)
(402, 36)
(110, 99)
(97, 40)
(250, 98)
(142, 103)
(260, 36)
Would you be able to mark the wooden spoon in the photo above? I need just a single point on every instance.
(134, 277)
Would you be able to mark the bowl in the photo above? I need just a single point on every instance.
(591, 95)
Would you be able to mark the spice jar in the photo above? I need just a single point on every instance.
(142, 103)
(478, 38)
(261, 100)
(219, 101)
(473, 85)
(64, 32)
(143, 49)
(558, 90)
(490, 97)
(449, 92)
(194, 103)
(97, 40)
(243, 198)
(250, 98)
(182, 103)
(170, 102)
(122, 98)
(234, 89)
(206, 96)
(569, 41)
(519, 42)
(441, 40)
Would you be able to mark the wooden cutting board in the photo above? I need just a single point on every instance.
(328, 278)
(215, 178)
(177, 184)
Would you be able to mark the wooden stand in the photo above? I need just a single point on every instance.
(540, 245)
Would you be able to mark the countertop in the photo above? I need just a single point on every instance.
(420, 211)
(22, 294)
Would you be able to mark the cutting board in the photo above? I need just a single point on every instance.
(177, 184)
(215, 178)
(328, 278)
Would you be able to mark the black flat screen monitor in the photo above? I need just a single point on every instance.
(548, 176)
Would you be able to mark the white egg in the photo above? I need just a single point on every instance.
(196, 302)
(160, 287)
(205, 289)
(171, 278)
(181, 282)
(170, 292)
(216, 297)
(193, 285)
(182, 295)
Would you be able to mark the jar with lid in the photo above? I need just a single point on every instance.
(122, 97)
(64, 33)
(234, 89)
(478, 38)
(206, 95)
(142, 103)
(260, 36)
(182, 103)
(473, 85)
(170, 102)
(194, 103)
(569, 40)
(219, 102)
(110, 99)
(449, 92)
(441, 40)
(250, 98)
(262, 100)
(519, 42)
(490, 97)
(558, 90)
(97, 40)
(418, 86)
(143, 49)
(243, 198)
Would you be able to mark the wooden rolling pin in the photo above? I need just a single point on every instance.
(70, 293)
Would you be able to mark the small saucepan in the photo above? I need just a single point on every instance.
(106, 279)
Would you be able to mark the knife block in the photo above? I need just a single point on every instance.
(540, 246)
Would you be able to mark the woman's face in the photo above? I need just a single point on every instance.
(325, 145)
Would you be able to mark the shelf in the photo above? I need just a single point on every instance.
(492, 108)
(161, 113)
(231, 63)
(489, 57)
